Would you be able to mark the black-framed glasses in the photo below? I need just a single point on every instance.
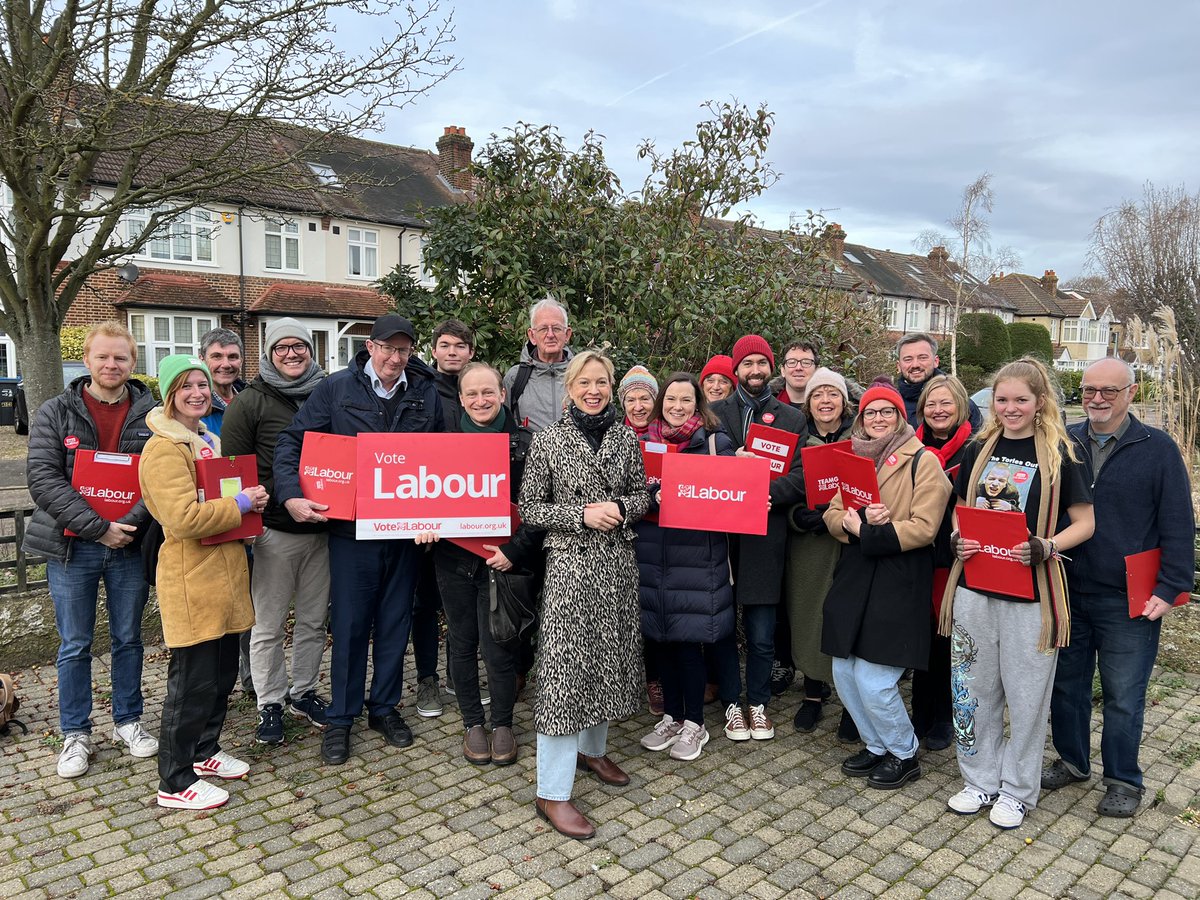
(802, 363)
(888, 412)
(282, 350)
(1108, 393)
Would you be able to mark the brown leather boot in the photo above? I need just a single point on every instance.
(606, 770)
(565, 818)
(504, 746)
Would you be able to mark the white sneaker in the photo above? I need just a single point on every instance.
(761, 727)
(1007, 813)
(692, 739)
(222, 765)
(735, 723)
(969, 801)
(77, 753)
(137, 739)
(664, 735)
(201, 795)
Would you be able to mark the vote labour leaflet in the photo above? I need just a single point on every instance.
(715, 493)
(820, 472)
(327, 463)
(856, 480)
(774, 445)
(996, 568)
(227, 476)
(1141, 577)
(107, 481)
(453, 484)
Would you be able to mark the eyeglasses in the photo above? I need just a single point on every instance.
(888, 412)
(282, 350)
(1107, 393)
(544, 330)
(387, 351)
(802, 363)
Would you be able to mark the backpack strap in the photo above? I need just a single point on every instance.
(916, 460)
(524, 373)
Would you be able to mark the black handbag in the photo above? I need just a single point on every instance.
(513, 606)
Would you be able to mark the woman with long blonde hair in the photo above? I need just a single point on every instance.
(1004, 648)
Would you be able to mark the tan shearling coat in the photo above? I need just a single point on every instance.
(203, 592)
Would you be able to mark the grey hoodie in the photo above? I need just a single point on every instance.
(542, 400)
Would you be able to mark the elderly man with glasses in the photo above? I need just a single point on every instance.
(1142, 501)
(384, 389)
(536, 384)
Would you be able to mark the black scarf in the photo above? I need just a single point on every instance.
(592, 426)
(751, 405)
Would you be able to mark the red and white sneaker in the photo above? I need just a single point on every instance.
(222, 765)
(201, 795)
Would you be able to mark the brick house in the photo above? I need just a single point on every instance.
(311, 250)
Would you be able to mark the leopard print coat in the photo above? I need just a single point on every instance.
(589, 666)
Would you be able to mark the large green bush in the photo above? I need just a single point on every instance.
(1030, 339)
(983, 341)
(973, 378)
(151, 382)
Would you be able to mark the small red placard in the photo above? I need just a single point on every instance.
(996, 568)
(715, 493)
(820, 472)
(774, 445)
(475, 544)
(327, 464)
(1141, 577)
(856, 480)
(228, 476)
(107, 481)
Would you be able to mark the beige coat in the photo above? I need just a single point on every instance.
(203, 592)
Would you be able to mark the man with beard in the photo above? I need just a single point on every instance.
(1142, 501)
(758, 560)
(917, 362)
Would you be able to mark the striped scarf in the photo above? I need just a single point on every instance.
(1049, 576)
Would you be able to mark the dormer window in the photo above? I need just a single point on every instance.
(326, 176)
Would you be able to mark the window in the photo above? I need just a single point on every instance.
(426, 275)
(325, 175)
(6, 202)
(283, 245)
(912, 317)
(348, 348)
(158, 335)
(935, 319)
(1070, 331)
(364, 252)
(891, 313)
(185, 238)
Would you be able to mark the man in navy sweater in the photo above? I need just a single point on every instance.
(1143, 501)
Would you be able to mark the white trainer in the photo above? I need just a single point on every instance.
(201, 795)
(691, 741)
(969, 801)
(1007, 813)
(664, 735)
(222, 765)
(139, 741)
(77, 753)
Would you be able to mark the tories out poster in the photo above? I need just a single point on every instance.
(453, 484)
(715, 493)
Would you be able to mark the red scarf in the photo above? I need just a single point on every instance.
(946, 452)
(660, 432)
(636, 430)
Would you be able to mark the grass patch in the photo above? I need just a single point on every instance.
(1185, 754)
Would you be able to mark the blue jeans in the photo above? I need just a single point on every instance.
(73, 587)
(870, 694)
(759, 624)
(1124, 648)
(556, 758)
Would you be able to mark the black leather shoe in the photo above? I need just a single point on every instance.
(393, 729)
(862, 763)
(893, 773)
(335, 745)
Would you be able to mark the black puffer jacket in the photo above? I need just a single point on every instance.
(51, 465)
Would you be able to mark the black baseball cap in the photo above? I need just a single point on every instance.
(390, 326)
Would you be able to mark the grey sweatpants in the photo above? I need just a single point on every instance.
(994, 661)
(288, 567)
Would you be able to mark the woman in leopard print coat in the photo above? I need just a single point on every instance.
(584, 483)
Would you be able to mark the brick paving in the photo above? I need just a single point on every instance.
(759, 820)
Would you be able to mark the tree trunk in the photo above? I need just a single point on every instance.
(40, 351)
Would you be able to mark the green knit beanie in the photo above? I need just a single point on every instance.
(172, 367)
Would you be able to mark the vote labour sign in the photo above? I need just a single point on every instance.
(774, 445)
(715, 493)
(452, 484)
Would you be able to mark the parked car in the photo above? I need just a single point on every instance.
(983, 399)
(72, 369)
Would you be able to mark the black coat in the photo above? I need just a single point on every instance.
(758, 559)
(684, 578)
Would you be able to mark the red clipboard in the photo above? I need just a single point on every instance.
(995, 568)
(226, 476)
(475, 544)
(774, 445)
(327, 465)
(107, 481)
(1141, 577)
(857, 480)
(821, 472)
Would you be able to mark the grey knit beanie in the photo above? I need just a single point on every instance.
(287, 328)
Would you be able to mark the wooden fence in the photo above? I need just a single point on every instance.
(16, 559)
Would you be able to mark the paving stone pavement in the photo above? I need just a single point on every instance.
(762, 820)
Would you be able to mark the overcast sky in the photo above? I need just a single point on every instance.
(884, 110)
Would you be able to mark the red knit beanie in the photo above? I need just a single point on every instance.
(882, 392)
(719, 365)
(751, 344)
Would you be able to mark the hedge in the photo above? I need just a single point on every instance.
(983, 341)
(1030, 339)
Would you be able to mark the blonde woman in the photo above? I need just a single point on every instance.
(1004, 649)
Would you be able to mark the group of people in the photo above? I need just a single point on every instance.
(615, 610)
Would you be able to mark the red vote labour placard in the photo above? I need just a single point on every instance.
(107, 481)
(228, 476)
(1141, 577)
(774, 445)
(327, 463)
(715, 493)
(856, 480)
(996, 568)
(820, 472)
(452, 484)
